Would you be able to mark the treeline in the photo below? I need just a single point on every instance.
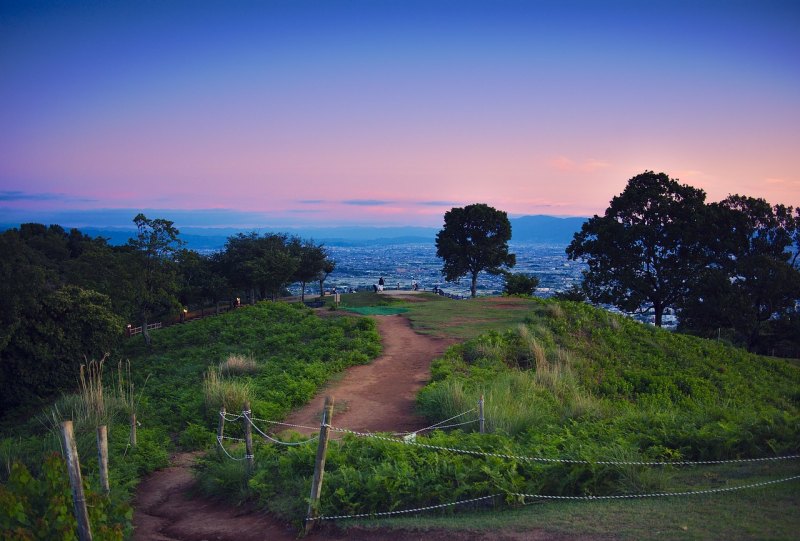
(728, 269)
(67, 297)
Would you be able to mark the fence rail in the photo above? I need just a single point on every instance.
(133, 331)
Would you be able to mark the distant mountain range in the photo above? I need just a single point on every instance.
(525, 229)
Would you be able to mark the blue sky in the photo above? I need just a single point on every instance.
(388, 113)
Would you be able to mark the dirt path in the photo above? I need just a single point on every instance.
(375, 397)
(380, 396)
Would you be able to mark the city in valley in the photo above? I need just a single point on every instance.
(402, 265)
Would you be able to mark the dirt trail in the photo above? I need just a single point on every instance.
(380, 396)
(375, 397)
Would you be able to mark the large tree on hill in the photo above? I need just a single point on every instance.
(474, 239)
(645, 251)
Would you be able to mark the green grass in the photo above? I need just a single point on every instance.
(362, 299)
(760, 513)
(465, 319)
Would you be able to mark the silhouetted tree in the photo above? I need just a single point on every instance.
(750, 279)
(646, 248)
(474, 239)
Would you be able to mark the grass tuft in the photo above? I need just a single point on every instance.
(237, 365)
(232, 394)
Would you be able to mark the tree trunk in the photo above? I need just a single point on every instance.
(321, 288)
(302, 291)
(658, 308)
(474, 286)
(145, 332)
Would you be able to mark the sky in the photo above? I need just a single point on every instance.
(281, 113)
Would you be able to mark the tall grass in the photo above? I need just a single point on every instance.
(95, 403)
(125, 392)
(89, 407)
(91, 392)
(516, 399)
(232, 394)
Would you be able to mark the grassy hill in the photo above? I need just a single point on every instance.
(584, 390)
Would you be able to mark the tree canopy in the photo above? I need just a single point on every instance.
(730, 266)
(643, 251)
(68, 297)
(474, 239)
(750, 277)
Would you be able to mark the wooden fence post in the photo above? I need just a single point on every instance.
(102, 457)
(133, 430)
(481, 418)
(76, 482)
(220, 429)
(319, 465)
(248, 437)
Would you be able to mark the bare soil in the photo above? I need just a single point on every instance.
(375, 397)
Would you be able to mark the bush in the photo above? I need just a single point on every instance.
(520, 284)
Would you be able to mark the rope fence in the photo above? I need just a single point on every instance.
(570, 498)
(558, 460)
(659, 494)
(409, 438)
(440, 423)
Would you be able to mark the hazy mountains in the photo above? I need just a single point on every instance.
(528, 229)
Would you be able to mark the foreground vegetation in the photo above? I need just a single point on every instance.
(561, 380)
(568, 382)
(275, 355)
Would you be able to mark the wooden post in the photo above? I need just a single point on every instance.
(248, 436)
(319, 465)
(481, 418)
(102, 457)
(75, 480)
(220, 429)
(133, 430)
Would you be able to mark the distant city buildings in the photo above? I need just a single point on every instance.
(359, 267)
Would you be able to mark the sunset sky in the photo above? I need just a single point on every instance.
(275, 113)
